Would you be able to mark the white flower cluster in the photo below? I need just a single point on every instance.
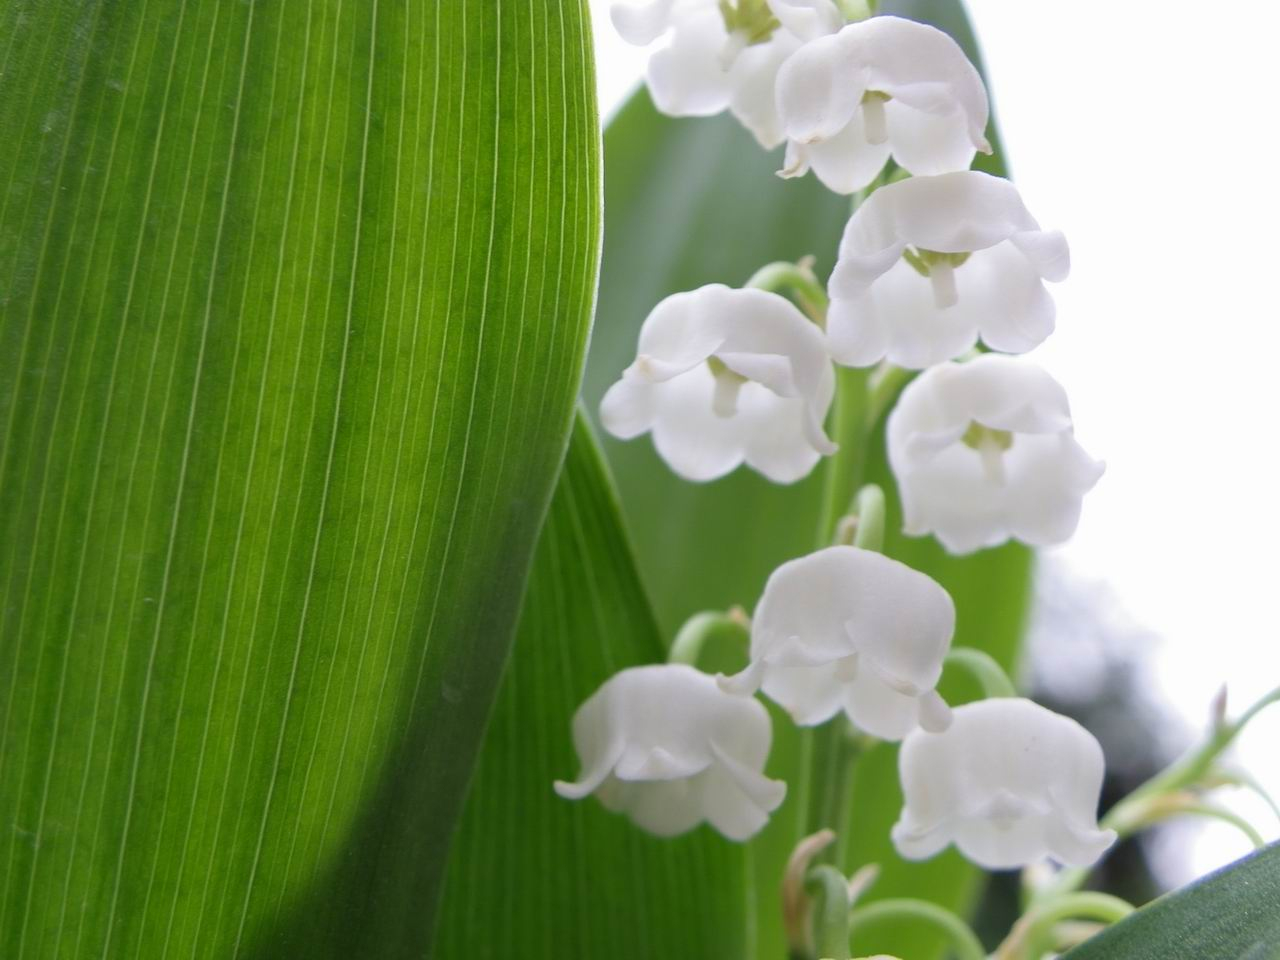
(934, 259)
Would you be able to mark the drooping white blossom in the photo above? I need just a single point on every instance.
(667, 747)
(984, 451)
(878, 88)
(725, 376)
(1009, 782)
(704, 67)
(853, 630)
(928, 265)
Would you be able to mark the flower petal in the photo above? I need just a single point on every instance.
(1047, 251)
(812, 695)
(926, 144)
(845, 162)
(882, 712)
(689, 435)
(922, 67)
(763, 793)
(778, 443)
(752, 80)
(771, 370)
(666, 808)
(818, 90)
(687, 78)
(641, 23)
(601, 766)
(1002, 296)
(1048, 478)
(898, 315)
(807, 19)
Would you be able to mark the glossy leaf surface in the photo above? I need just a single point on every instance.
(293, 302)
(1229, 915)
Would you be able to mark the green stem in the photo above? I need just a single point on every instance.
(704, 626)
(1247, 781)
(1197, 763)
(1032, 935)
(831, 916)
(801, 280)
(844, 469)
(869, 508)
(886, 382)
(1176, 807)
(983, 667)
(964, 941)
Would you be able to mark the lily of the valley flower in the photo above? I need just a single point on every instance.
(929, 264)
(708, 65)
(1008, 783)
(852, 630)
(725, 376)
(883, 86)
(667, 747)
(984, 451)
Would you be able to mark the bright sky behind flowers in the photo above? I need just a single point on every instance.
(1143, 130)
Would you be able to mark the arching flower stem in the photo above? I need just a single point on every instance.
(964, 942)
(1245, 781)
(1032, 936)
(800, 279)
(1180, 804)
(731, 626)
(983, 668)
(885, 384)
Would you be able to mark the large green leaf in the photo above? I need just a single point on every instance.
(696, 201)
(535, 876)
(293, 302)
(1233, 914)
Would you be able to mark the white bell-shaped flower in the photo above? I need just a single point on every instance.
(725, 376)
(703, 67)
(984, 451)
(930, 264)
(853, 630)
(880, 87)
(1008, 783)
(667, 747)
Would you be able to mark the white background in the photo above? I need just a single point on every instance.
(1147, 132)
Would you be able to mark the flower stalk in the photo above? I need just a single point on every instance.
(964, 942)
(983, 668)
(731, 626)
(799, 278)
(1033, 935)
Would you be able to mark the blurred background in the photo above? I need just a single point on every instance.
(1141, 130)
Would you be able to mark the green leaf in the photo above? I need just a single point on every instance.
(696, 201)
(533, 875)
(293, 303)
(1229, 915)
